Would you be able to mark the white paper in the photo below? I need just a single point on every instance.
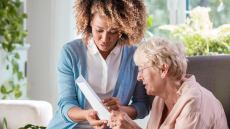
(93, 99)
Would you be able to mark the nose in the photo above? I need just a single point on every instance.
(105, 37)
(139, 77)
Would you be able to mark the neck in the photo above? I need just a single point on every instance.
(105, 54)
(170, 95)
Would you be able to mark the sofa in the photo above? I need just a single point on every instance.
(213, 73)
(19, 113)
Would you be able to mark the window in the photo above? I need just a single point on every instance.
(158, 8)
(220, 10)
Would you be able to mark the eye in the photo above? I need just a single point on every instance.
(99, 30)
(113, 32)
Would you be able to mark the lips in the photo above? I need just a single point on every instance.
(103, 45)
(146, 85)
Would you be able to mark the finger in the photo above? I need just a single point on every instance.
(103, 126)
(111, 116)
(110, 98)
(97, 122)
(97, 118)
(110, 102)
(106, 100)
(114, 107)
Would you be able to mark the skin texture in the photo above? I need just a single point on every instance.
(120, 120)
(104, 37)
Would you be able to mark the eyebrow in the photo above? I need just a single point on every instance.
(99, 26)
(102, 28)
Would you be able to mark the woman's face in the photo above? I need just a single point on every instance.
(104, 37)
(151, 78)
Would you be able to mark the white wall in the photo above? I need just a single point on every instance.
(50, 24)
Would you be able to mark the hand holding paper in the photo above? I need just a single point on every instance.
(93, 99)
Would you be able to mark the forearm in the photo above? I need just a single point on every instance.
(130, 110)
(76, 114)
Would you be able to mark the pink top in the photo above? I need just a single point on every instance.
(197, 108)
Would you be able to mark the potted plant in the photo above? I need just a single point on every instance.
(11, 36)
(28, 126)
(199, 36)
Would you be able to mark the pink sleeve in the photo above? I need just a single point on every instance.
(189, 121)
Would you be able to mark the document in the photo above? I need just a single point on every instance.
(93, 99)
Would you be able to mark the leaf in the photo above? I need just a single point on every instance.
(11, 48)
(25, 33)
(20, 76)
(15, 66)
(7, 58)
(17, 56)
(20, 21)
(149, 21)
(28, 126)
(5, 47)
(8, 37)
(4, 123)
(24, 15)
(12, 84)
(4, 98)
(7, 67)
(3, 90)
(17, 4)
(17, 87)
(18, 94)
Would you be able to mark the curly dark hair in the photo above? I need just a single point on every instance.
(129, 16)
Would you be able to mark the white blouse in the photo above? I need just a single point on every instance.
(101, 74)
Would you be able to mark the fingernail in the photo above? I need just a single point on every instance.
(108, 107)
(105, 121)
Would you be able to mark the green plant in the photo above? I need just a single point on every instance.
(11, 33)
(28, 126)
(199, 36)
(4, 123)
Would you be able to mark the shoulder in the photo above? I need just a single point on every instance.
(75, 44)
(129, 50)
(191, 99)
(73, 50)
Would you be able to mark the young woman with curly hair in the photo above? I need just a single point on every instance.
(110, 30)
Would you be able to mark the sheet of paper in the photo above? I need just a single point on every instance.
(93, 99)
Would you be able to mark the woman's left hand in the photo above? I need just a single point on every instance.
(112, 103)
(120, 120)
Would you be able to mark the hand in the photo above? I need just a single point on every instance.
(120, 120)
(94, 120)
(112, 103)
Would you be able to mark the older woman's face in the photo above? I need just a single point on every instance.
(151, 78)
(104, 37)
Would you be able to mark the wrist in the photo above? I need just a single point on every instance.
(86, 112)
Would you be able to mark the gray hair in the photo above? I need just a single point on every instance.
(161, 50)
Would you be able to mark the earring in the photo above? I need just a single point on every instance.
(162, 76)
(120, 35)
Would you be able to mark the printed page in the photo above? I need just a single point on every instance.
(93, 99)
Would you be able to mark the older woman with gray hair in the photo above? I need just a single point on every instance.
(180, 102)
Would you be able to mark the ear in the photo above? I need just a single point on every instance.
(164, 70)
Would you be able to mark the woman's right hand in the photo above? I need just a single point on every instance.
(94, 121)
